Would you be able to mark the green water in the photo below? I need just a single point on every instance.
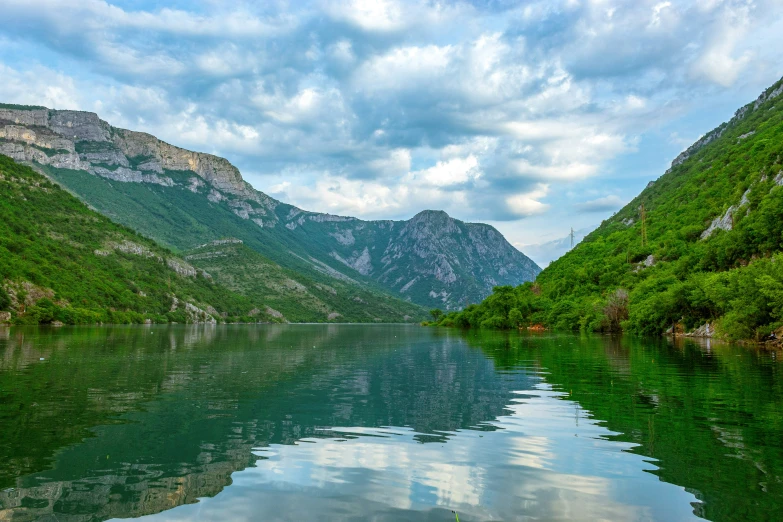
(383, 423)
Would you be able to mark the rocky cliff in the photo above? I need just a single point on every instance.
(432, 259)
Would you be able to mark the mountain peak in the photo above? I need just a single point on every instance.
(432, 213)
(432, 216)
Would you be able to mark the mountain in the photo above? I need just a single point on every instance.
(698, 250)
(61, 261)
(184, 199)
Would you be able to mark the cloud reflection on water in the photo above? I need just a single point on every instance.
(548, 459)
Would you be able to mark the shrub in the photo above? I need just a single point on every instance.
(5, 299)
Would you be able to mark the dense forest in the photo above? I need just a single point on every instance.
(702, 244)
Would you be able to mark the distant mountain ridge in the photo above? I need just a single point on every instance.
(184, 199)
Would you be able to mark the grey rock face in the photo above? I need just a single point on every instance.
(344, 237)
(359, 261)
(36, 117)
(431, 259)
(126, 175)
(726, 221)
(79, 126)
(50, 137)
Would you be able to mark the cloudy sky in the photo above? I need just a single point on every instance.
(532, 115)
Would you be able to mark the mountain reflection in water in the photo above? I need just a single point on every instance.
(393, 422)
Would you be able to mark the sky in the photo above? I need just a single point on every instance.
(533, 116)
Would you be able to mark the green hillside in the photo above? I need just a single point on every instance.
(296, 297)
(702, 244)
(61, 261)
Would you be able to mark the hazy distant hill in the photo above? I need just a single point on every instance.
(544, 253)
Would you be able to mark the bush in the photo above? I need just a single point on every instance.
(5, 299)
(515, 317)
(616, 309)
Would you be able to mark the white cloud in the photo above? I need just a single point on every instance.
(720, 61)
(456, 171)
(39, 86)
(343, 51)
(403, 68)
(80, 16)
(604, 204)
(396, 164)
(380, 109)
(528, 204)
(371, 15)
(658, 12)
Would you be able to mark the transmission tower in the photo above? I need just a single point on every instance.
(572, 237)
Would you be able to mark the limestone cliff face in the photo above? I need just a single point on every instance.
(431, 259)
(82, 141)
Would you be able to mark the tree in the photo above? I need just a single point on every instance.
(616, 309)
(515, 317)
(436, 314)
(5, 300)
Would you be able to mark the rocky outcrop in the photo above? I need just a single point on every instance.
(271, 312)
(193, 314)
(700, 144)
(726, 221)
(24, 294)
(184, 269)
(127, 247)
(706, 331)
(359, 261)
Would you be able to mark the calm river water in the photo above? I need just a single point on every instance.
(383, 423)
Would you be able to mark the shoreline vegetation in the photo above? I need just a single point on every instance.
(698, 251)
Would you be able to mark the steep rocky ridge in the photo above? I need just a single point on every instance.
(432, 258)
(190, 198)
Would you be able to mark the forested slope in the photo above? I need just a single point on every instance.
(60, 261)
(63, 262)
(702, 244)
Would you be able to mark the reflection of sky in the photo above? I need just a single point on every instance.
(548, 460)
